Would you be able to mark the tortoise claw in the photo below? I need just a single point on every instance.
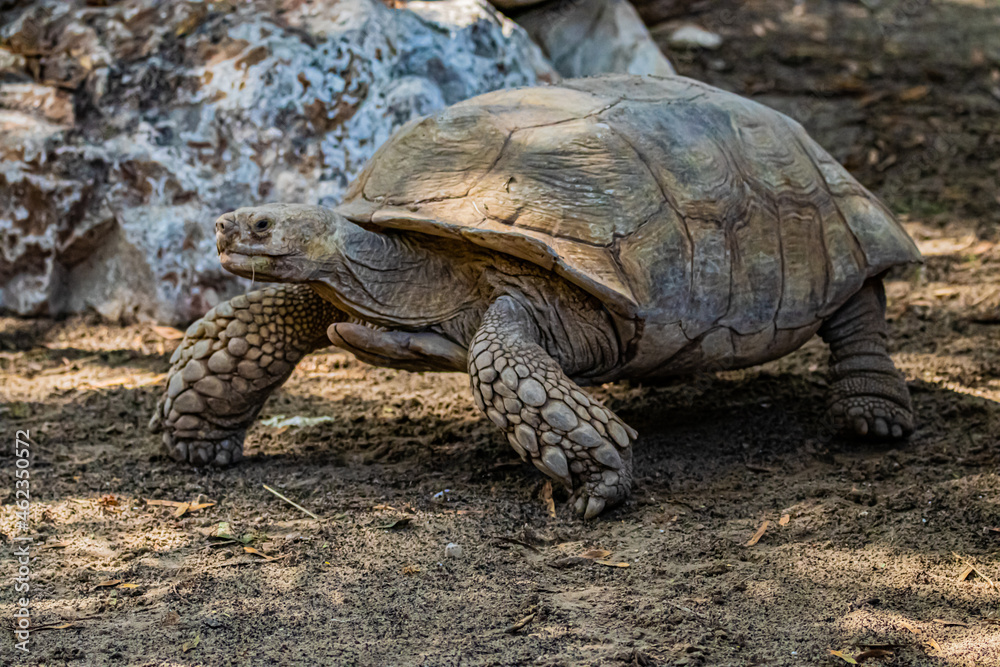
(594, 507)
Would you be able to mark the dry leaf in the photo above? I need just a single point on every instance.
(170, 503)
(187, 646)
(199, 506)
(520, 624)
(914, 94)
(934, 645)
(410, 569)
(251, 550)
(181, 510)
(609, 563)
(843, 656)
(966, 573)
(108, 583)
(915, 630)
(169, 333)
(546, 495)
(129, 586)
(223, 531)
(785, 518)
(759, 534)
(595, 554)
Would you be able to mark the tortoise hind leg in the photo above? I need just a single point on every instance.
(868, 394)
(229, 363)
(546, 417)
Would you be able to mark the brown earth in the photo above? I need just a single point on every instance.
(866, 545)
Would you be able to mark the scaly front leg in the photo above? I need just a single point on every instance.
(229, 363)
(567, 434)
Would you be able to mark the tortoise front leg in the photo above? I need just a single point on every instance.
(567, 434)
(229, 363)
(868, 394)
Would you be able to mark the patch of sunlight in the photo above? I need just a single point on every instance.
(762, 590)
(281, 421)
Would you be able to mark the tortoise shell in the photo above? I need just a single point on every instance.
(675, 203)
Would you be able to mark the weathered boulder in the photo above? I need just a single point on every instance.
(588, 37)
(126, 129)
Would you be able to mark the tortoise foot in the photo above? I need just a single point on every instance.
(547, 418)
(872, 416)
(220, 452)
(229, 363)
(868, 395)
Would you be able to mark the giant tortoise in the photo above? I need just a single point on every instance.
(545, 239)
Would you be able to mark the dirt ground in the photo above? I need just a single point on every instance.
(867, 547)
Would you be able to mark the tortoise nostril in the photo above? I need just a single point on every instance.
(225, 226)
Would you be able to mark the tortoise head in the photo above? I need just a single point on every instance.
(277, 242)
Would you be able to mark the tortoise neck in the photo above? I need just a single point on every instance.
(392, 279)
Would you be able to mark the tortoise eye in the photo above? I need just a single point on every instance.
(262, 225)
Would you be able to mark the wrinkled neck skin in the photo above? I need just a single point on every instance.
(392, 280)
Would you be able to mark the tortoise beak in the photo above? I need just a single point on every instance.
(250, 266)
(227, 232)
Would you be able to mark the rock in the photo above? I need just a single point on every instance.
(693, 37)
(452, 550)
(508, 5)
(654, 12)
(588, 37)
(46, 102)
(126, 129)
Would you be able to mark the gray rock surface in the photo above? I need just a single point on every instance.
(125, 130)
(588, 37)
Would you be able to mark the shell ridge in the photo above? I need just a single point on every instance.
(827, 262)
(592, 114)
(489, 170)
(668, 200)
(615, 247)
(836, 204)
(728, 226)
(781, 257)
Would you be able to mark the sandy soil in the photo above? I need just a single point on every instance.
(864, 552)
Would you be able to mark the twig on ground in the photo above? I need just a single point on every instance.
(515, 541)
(687, 609)
(291, 502)
(970, 568)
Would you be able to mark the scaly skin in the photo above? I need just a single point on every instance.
(229, 363)
(546, 417)
(868, 395)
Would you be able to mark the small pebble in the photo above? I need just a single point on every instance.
(452, 550)
(694, 37)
